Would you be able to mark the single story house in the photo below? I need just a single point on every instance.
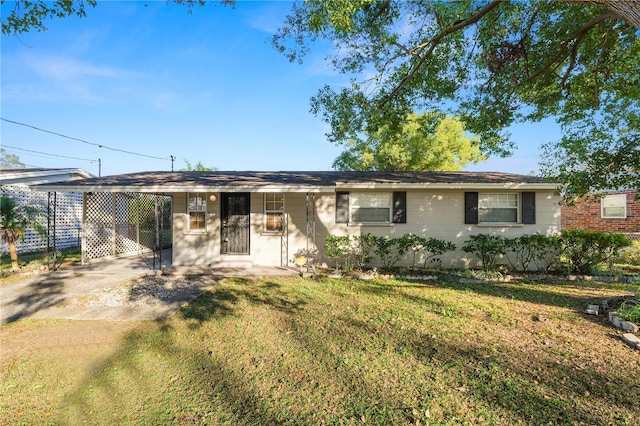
(263, 218)
(64, 208)
(612, 211)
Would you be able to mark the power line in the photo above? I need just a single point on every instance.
(46, 153)
(84, 141)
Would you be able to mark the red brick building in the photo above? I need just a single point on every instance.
(617, 212)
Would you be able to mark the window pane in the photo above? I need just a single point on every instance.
(274, 222)
(371, 199)
(370, 207)
(196, 220)
(613, 212)
(498, 215)
(375, 215)
(614, 206)
(196, 203)
(499, 207)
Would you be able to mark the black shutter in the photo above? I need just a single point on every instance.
(528, 207)
(342, 207)
(399, 207)
(470, 207)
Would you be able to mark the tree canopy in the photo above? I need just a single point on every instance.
(198, 167)
(493, 64)
(10, 161)
(429, 141)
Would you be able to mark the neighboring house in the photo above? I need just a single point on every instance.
(615, 211)
(263, 218)
(64, 208)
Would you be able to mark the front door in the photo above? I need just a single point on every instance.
(235, 223)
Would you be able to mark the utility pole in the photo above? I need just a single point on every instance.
(172, 160)
(99, 167)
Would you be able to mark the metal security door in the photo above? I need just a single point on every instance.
(235, 223)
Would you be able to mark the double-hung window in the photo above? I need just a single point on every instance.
(498, 207)
(370, 207)
(274, 212)
(614, 206)
(197, 210)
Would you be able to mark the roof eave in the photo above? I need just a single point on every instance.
(458, 185)
(183, 188)
(292, 188)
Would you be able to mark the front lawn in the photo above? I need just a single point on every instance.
(295, 351)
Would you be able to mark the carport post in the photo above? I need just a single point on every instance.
(157, 234)
(138, 223)
(83, 229)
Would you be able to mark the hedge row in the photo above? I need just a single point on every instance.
(577, 251)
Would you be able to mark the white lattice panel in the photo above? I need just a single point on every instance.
(67, 218)
(99, 225)
(121, 223)
(126, 208)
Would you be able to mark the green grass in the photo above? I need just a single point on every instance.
(32, 261)
(294, 351)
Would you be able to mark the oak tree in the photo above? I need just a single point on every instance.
(493, 64)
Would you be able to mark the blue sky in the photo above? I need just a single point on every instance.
(150, 78)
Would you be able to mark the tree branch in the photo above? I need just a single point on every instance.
(577, 36)
(600, 55)
(435, 41)
(623, 10)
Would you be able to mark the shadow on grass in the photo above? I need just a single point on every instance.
(222, 299)
(532, 292)
(349, 369)
(523, 383)
(193, 371)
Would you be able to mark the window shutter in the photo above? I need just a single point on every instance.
(470, 207)
(528, 207)
(399, 207)
(342, 207)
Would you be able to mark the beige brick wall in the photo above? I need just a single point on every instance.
(434, 213)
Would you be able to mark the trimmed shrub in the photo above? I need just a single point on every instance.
(487, 248)
(363, 249)
(584, 250)
(391, 250)
(339, 249)
(415, 244)
(537, 250)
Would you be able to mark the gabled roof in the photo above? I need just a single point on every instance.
(291, 181)
(41, 176)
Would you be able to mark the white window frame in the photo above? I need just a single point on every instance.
(270, 207)
(197, 208)
(485, 198)
(355, 199)
(620, 201)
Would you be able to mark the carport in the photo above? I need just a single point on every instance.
(118, 224)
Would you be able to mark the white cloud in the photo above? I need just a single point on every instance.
(58, 68)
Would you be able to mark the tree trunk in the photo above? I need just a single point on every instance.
(13, 253)
(628, 10)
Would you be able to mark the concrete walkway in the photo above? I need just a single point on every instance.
(47, 295)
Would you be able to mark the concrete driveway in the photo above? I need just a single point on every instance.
(108, 290)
